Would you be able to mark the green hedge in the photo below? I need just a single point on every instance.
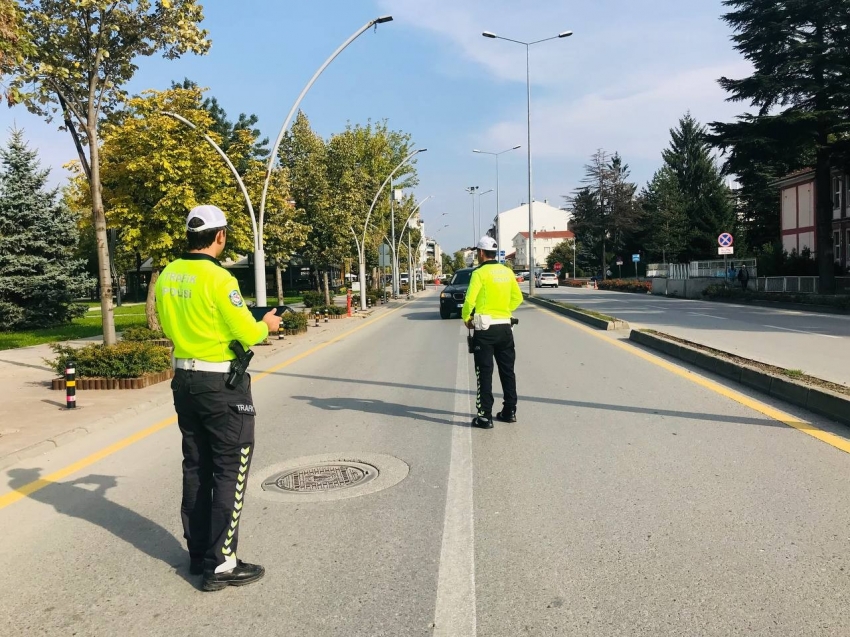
(294, 321)
(311, 298)
(626, 285)
(332, 310)
(375, 295)
(127, 359)
(141, 334)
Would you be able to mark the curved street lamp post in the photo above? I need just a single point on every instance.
(528, 45)
(498, 209)
(361, 245)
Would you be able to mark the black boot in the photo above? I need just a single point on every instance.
(482, 422)
(241, 575)
(506, 415)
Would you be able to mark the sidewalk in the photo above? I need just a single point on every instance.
(35, 418)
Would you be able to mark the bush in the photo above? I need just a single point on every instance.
(294, 321)
(374, 295)
(312, 298)
(127, 359)
(141, 334)
(332, 310)
(573, 283)
(626, 285)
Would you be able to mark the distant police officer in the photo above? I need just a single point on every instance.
(202, 312)
(493, 295)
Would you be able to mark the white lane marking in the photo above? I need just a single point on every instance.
(788, 329)
(719, 318)
(455, 611)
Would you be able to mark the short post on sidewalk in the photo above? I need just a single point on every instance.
(70, 385)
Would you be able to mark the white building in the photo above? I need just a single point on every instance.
(434, 251)
(544, 243)
(546, 219)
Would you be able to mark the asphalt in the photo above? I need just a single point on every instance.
(816, 343)
(627, 500)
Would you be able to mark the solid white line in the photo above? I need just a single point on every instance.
(788, 329)
(455, 611)
(719, 318)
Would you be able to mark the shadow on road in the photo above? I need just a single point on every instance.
(371, 406)
(424, 315)
(400, 409)
(76, 501)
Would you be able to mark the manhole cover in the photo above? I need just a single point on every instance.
(322, 478)
(329, 477)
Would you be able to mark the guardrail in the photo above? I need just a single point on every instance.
(790, 284)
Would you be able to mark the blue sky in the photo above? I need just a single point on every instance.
(625, 77)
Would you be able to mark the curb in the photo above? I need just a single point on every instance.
(820, 401)
(781, 305)
(581, 317)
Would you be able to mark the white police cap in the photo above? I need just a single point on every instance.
(488, 243)
(211, 216)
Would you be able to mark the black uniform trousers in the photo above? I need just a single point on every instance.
(217, 424)
(496, 342)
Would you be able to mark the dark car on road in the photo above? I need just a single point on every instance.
(452, 296)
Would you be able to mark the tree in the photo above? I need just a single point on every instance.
(563, 254)
(39, 274)
(155, 169)
(14, 43)
(605, 211)
(707, 200)
(83, 52)
(448, 264)
(459, 261)
(431, 266)
(800, 53)
(665, 218)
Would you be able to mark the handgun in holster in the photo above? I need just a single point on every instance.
(239, 365)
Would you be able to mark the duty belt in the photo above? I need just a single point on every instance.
(506, 321)
(195, 365)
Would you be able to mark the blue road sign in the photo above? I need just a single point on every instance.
(725, 240)
(636, 258)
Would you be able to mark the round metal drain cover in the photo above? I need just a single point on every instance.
(322, 478)
(328, 477)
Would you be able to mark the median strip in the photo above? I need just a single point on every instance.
(588, 317)
(793, 386)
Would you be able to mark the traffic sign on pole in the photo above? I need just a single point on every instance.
(636, 258)
(558, 267)
(725, 240)
(726, 250)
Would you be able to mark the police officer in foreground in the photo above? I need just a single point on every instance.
(493, 295)
(203, 313)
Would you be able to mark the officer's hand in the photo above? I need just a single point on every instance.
(470, 324)
(272, 320)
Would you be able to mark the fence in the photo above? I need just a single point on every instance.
(800, 284)
(698, 269)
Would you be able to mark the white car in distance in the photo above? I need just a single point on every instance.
(547, 279)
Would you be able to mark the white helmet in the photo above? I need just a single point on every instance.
(488, 243)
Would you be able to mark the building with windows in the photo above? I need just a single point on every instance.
(798, 213)
(544, 243)
(546, 219)
(434, 251)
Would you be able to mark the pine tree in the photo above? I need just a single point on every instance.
(39, 276)
(800, 53)
(665, 219)
(707, 200)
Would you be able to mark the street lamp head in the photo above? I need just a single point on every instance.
(475, 150)
(488, 34)
(516, 147)
(383, 18)
(422, 150)
(565, 34)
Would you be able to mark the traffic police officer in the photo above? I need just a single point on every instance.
(493, 295)
(202, 312)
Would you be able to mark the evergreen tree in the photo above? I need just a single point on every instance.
(707, 200)
(39, 276)
(800, 53)
(665, 220)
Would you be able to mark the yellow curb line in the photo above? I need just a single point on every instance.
(22, 492)
(785, 418)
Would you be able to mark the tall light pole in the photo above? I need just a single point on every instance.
(528, 45)
(259, 252)
(498, 209)
(407, 227)
(481, 194)
(362, 270)
(471, 190)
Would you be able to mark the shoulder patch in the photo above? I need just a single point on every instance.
(236, 298)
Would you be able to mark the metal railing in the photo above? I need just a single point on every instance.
(790, 284)
(698, 269)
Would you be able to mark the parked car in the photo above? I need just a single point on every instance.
(546, 280)
(453, 295)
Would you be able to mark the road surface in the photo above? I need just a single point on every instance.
(818, 344)
(632, 498)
